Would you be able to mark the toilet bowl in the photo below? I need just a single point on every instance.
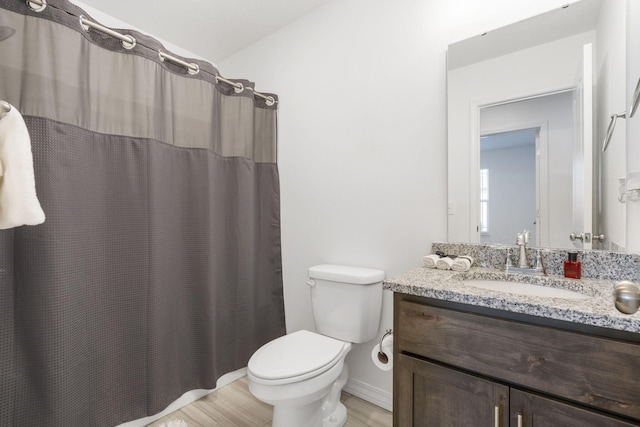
(301, 375)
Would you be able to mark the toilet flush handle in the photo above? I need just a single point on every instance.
(311, 283)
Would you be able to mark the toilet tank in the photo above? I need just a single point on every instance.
(346, 301)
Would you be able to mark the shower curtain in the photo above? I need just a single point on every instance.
(158, 268)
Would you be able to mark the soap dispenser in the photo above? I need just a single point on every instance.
(572, 267)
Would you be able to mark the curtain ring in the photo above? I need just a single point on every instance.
(193, 69)
(127, 41)
(237, 87)
(84, 26)
(128, 45)
(270, 101)
(37, 5)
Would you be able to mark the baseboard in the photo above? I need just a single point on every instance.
(371, 394)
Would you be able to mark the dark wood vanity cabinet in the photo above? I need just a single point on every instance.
(458, 368)
(435, 395)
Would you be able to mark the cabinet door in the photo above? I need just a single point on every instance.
(432, 395)
(538, 411)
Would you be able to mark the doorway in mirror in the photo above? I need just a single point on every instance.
(527, 146)
(509, 186)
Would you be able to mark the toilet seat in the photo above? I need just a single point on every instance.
(296, 357)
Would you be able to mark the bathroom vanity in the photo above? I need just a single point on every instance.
(466, 356)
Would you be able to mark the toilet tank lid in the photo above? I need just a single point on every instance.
(346, 274)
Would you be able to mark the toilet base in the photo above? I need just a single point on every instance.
(320, 409)
(313, 414)
(338, 418)
(298, 415)
(334, 413)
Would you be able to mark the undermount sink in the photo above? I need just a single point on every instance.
(525, 289)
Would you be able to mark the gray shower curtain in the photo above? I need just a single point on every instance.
(158, 268)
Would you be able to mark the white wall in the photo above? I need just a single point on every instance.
(633, 124)
(363, 140)
(609, 215)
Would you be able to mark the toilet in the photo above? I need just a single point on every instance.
(302, 373)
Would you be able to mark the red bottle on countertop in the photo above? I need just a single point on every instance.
(572, 267)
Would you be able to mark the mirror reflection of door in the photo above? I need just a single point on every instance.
(508, 186)
(531, 185)
(583, 151)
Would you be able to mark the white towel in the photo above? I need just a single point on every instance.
(444, 263)
(462, 263)
(430, 261)
(19, 204)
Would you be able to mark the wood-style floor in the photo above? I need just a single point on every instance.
(234, 405)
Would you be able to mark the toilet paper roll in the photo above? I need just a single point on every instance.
(387, 349)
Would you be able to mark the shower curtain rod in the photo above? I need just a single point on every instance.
(129, 42)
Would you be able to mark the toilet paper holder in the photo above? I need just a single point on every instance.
(382, 356)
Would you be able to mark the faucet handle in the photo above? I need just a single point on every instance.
(539, 265)
(508, 262)
(523, 238)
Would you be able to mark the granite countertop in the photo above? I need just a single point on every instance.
(596, 310)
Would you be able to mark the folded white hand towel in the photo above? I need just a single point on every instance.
(430, 261)
(462, 263)
(444, 263)
(19, 204)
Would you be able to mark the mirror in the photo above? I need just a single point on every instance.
(519, 153)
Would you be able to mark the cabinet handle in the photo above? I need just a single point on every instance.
(520, 420)
(496, 416)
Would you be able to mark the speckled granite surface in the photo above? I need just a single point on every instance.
(595, 264)
(596, 310)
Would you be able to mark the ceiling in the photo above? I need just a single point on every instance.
(212, 29)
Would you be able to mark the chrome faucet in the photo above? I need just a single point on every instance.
(521, 241)
(523, 265)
